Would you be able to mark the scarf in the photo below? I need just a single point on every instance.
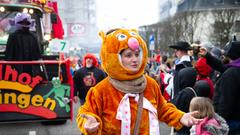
(136, 86)
(124, 115)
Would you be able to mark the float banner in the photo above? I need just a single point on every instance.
(25, 97)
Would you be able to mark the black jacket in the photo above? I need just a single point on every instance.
(176, 80)
(187, 78)
(227, 92)
(85, 78)
(226, 99)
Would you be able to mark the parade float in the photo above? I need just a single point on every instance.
(37, 96)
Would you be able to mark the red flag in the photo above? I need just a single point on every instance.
(58, 30)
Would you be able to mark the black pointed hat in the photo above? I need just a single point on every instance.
(181, 45)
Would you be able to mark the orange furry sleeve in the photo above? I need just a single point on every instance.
(91, 107)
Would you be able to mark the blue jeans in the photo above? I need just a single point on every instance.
(182, 134)
(82, 101)
(234, 127)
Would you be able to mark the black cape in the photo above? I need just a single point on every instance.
(22, 45)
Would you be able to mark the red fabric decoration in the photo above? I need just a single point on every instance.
(58, 30)
(70, 82)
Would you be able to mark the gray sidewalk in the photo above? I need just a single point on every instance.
(164, 129)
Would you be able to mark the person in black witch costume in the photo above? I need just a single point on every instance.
(22, 45)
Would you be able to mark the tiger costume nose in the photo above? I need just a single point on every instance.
(133, 43)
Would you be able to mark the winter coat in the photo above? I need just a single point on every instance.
(183, 63)
(226, 97)
(85, 78)
(182, 99)
(214, 126)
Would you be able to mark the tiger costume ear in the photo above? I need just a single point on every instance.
(102, 35)
(135, 30)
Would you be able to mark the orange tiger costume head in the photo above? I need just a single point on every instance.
(112, 44)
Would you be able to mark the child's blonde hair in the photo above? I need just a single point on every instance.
(203, 105)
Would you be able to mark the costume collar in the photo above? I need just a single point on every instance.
(184, 58)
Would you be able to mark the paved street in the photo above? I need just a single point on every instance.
(36, 128)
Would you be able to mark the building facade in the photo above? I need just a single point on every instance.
(79, 22)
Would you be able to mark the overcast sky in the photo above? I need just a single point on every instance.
(126, 13)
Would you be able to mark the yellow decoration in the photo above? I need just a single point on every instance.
(42, 1)
(15, 86)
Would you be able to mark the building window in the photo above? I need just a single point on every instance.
(219, 2)
(237, 2)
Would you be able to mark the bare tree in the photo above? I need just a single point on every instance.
(224, 20)
(180, 27)
(191, 25)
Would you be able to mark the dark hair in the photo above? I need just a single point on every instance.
(121, 51)
(164, 58)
